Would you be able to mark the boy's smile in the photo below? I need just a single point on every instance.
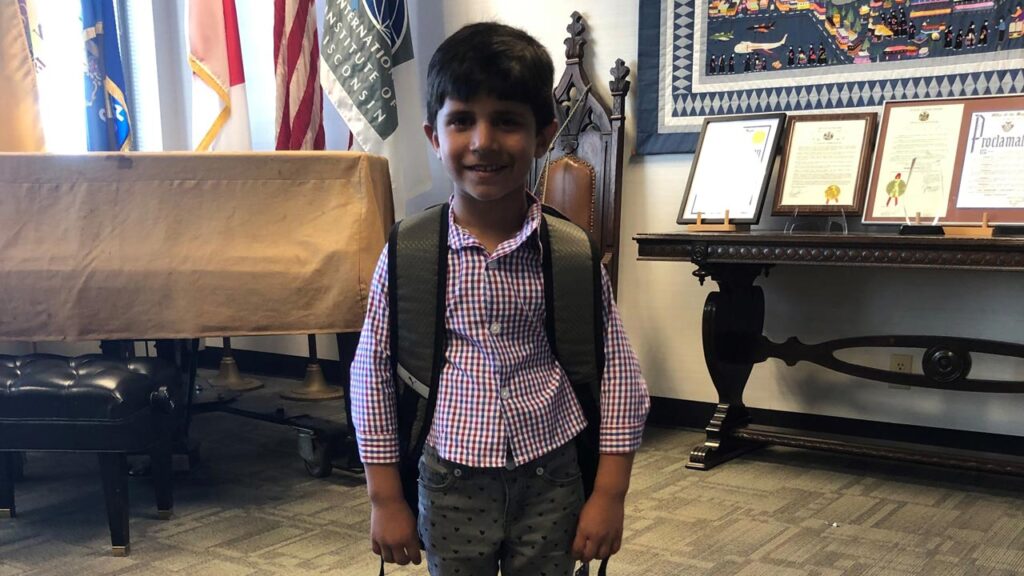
(487, 145)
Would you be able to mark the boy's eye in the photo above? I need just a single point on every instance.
(460, 121)
(509, 122)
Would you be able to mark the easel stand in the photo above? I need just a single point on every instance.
(700, 226)
(983, 231)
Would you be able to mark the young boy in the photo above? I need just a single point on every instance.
(499, 484)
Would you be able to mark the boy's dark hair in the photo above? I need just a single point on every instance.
(493, 59)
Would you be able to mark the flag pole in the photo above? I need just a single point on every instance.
(314, 388)
(300, 129)
(229, 376)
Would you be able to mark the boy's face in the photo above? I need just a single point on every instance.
(487, 145)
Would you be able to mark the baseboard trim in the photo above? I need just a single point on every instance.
(672, 412)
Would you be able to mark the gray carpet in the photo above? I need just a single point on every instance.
(250, 508)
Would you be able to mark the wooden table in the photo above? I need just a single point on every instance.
(733, 342)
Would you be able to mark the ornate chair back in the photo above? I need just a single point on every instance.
(582, 175)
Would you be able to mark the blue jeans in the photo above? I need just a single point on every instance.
(474, 521)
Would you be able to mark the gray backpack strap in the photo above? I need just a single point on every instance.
(417, 272)
(575, 327)
(576, 295)
(574, 324)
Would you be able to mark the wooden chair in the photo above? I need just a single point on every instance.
(582, 175)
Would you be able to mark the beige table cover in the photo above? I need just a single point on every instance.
(173, 245)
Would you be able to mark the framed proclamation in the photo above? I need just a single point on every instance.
(731, 169)
(953, 161)
(825, 164)
(992, 161)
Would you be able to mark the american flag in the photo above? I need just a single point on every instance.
(296, 56)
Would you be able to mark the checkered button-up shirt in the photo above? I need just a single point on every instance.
(501, 387)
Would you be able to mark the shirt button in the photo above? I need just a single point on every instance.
(496, 328)
(540, 471)
(505, 393)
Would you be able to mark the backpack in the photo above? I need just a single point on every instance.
(417, 274)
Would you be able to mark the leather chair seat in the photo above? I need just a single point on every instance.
(84, 403)
(88, 387)
(90, 404)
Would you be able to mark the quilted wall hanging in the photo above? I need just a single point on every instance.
(699, 58)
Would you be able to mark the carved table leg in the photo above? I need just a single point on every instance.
(732, 324)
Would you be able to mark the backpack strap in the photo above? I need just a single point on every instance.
(574, 324)
(417, 273)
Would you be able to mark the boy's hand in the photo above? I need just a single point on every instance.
(393, 532)
(599, 531)
(392, 525)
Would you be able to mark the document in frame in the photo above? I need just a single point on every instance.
(732, 168)
(993, 159)
(822, 165)
(915, 173)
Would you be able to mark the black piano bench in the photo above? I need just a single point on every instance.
(90, 404)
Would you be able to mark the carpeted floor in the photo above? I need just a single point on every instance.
(250, 508)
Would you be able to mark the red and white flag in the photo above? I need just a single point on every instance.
(299, 120)
(220, 114)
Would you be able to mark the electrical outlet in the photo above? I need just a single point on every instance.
(901, 363)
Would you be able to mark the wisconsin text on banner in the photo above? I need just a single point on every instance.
(220, 113)
(367, 70)
(19, 102)
(106, 107)
(296, 56)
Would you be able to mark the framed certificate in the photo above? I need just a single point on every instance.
(992, 161)
(731, 169)
(825, 164)
(954, 161)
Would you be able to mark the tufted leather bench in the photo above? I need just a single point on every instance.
(90, 404)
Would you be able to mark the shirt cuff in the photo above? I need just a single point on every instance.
(378, 448)
(621, 439)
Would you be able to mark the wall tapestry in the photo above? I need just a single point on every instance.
(700, 58)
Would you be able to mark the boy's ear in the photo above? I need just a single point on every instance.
(544, 138)
(431, 134)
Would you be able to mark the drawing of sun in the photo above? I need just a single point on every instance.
(759, 136)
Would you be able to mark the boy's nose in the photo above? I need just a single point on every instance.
(483, 137)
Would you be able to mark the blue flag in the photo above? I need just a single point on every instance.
(106, 107)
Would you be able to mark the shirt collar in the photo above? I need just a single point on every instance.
(459, 238)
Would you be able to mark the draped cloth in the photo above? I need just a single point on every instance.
(184, 245)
